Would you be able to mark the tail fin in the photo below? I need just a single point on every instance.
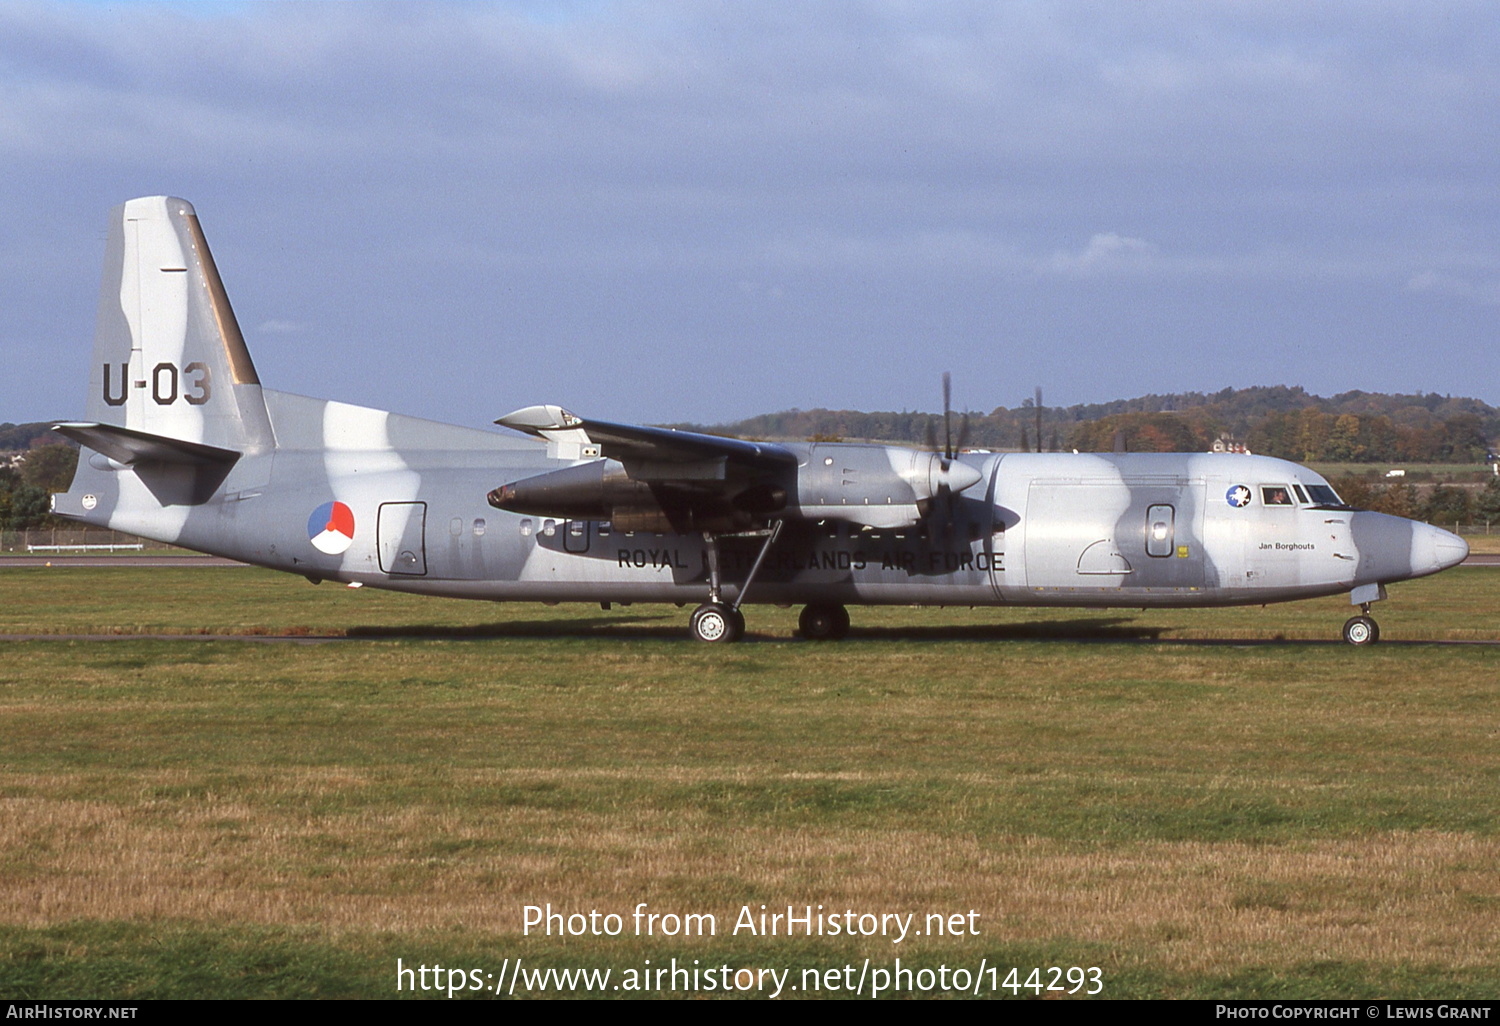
(169, 358)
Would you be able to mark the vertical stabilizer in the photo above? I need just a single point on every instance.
(169, 358)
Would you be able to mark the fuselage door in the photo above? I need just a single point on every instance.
(401, 538)
(1160, 530)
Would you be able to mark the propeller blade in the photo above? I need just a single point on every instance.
(947, 416)
(1039, 418)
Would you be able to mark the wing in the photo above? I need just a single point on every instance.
(650, 448)
(648, 478)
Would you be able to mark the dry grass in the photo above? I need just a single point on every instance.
(1188, 907)
(1181, 811)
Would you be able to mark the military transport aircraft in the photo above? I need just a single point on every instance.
(183, 445)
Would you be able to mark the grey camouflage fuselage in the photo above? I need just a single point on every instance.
(183, 445)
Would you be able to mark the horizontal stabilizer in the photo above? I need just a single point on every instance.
(131, 447)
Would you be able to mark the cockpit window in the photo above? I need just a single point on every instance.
(1276, 495)
(1323, 495)
(1301, 495)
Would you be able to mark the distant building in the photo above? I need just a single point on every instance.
(1226, 444)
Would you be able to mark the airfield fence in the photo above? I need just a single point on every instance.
(63, 540)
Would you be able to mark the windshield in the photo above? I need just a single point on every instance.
(1323, 495)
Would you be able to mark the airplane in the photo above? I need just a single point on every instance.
(183, 445)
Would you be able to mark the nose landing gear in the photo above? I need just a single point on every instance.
(1362, 629)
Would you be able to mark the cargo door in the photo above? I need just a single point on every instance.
(401, 538)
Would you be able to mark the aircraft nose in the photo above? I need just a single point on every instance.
(1435, 549)
(1451, 550)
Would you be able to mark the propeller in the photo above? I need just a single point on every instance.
(946, 476)
(951, 448)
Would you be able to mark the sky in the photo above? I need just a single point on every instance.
(671, 211)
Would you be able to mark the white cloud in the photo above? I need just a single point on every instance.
(1106, 253)
(1437, 283)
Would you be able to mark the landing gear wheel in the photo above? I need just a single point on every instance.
(820, 622)
(1361, 630)
(715, 622)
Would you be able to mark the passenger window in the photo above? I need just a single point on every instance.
(525, 527)
(1276, 495)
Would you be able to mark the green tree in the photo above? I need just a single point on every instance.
(1343, 441)
(1356, 491)
(1447, 504)
(23, 508)
(1397, 500)
(50, 467)
(1487, 502)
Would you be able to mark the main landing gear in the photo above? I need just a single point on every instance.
(722, 622)
(824, 622)
(714, 621)
(717, 620)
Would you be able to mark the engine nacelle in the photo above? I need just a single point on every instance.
(870, 485)
(608, 490)
(882, 486)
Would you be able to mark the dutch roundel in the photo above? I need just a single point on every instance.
(1238, 496)
(331, 528)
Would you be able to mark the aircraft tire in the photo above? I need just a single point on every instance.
(717, 623)
(1361, 630)
(820, 622)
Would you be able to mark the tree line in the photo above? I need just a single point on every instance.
(1445, 504)
(1354, 427)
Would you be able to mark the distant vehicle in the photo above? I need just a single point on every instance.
(1395, 473)
(183, 445)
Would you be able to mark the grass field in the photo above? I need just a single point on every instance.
(1179, 798)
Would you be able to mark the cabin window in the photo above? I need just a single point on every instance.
(479, 527)
(526, 527)
(549, 527)
(1276, 495)
(456, 526)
